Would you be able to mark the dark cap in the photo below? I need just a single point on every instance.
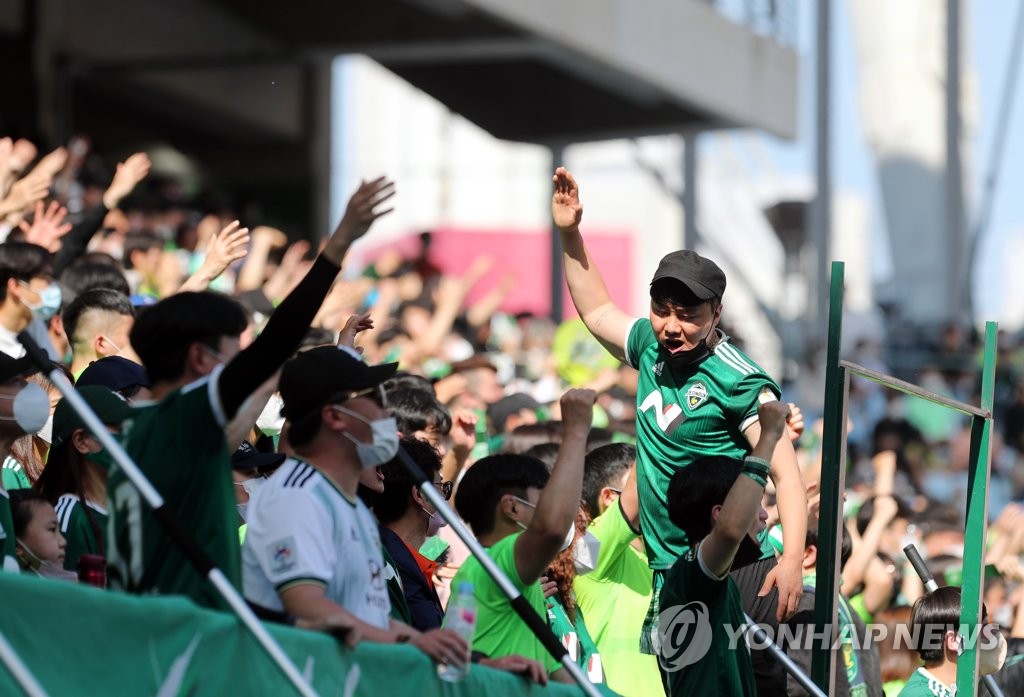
(247, 457)
(11, 368)
(109, 407)
(699, 274)
(505, 407)
(313, 378)
(115, 373)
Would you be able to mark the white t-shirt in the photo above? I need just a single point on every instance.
(302, 529)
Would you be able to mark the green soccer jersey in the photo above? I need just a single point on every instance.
(683, 416)
(576, 640)
(80, 527)
(179, 445)
(13, 475)
(8, 559)
(924, 684)
(499, 630)
(696, 653)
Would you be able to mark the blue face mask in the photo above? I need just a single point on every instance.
(49, 302)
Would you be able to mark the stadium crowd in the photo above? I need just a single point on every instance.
(265, 395)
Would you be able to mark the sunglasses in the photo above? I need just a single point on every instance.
(445, 488)
(376, 393)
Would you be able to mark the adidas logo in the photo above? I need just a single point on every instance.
(658, 367)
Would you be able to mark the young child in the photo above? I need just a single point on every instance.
(935, 622)
(40, 546)
(716, 501)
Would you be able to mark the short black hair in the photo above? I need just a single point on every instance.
(392, 504)
(491, 478)
(867, 511)
(546, 453)
(83, 276)
(100, 299)
(603, 467)
(138, 242)
(525, 436)
(845, 547)
(407, 381)
(22, 261)
(697, 488)
(163, 333)
(22, 501)
(940, 608)
(416, 410)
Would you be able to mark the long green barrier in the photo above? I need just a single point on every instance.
(79, 640)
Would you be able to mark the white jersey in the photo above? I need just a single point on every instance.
(303, 529)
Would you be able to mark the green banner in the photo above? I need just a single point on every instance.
(79, 640)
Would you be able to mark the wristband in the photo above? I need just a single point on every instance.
(757, 469)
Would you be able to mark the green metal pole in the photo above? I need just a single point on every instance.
(977, 521)
(831, 488)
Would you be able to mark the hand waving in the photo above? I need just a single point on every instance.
(354, 325)
(129, 173)
(226, 247)
(47, 226)
(566, 208)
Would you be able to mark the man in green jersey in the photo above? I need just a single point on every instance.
(524, 518)
(697, 396)
(200, 379)
(717, 502)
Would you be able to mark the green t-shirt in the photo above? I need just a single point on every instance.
(682, 416)
(499, 630)
(8, 558)
(13, 475)
(721, 670)
(615, 597)
(576, 639)
(924, 684)
(179, 445)
(77, 529)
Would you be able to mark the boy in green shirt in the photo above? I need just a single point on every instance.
(716, 501)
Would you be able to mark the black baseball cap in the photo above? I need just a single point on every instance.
(247, 458)
(115, 373)
(315, 377)
(509, 405)
(699, 274)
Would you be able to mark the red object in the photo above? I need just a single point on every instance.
(92, 569)
(526, 254)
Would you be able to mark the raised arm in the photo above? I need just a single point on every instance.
(608, 323)
(290, 322)
(558, 503)
(743, 503)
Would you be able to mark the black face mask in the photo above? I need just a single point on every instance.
(682, 360)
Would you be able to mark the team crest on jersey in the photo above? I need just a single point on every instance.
(696, 395)
(283, 556)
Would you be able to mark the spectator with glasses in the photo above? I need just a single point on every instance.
(407, 519)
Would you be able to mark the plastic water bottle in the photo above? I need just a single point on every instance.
(461, 619)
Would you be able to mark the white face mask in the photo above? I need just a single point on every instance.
(585, 553)
(385, 440)
(31, 408)
(46, 432)
(270, 421)
(569, 536)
